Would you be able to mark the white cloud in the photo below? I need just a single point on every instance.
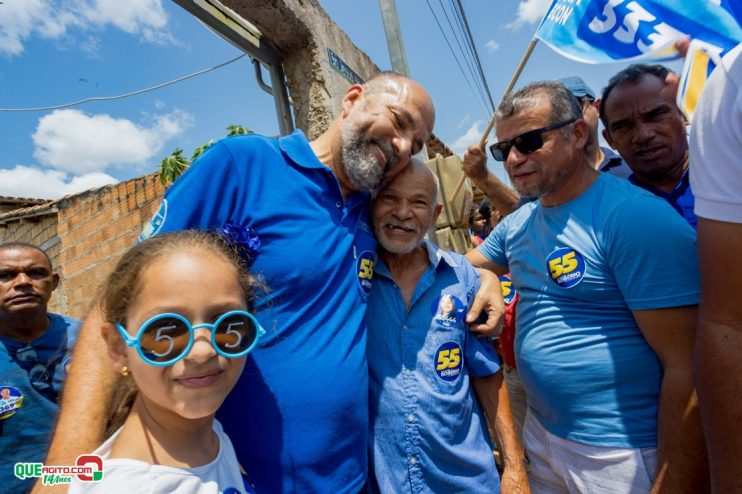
(53, 19)
(529, 12)
(492, 46)
(463, 122)
(73, 141)
(471, 137)
(25, 181)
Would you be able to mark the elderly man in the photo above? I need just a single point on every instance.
(298, 210)
(607, 313)
(427, 430)
(34, 352)
(643, 123)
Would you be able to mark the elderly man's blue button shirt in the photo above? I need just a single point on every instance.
(427, 431)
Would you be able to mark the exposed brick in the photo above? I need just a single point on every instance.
(88, 236)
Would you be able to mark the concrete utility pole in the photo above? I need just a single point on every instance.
(394, 37)
(396, 49)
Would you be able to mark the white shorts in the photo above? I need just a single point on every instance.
(562, 466)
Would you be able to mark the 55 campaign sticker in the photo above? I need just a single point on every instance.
(566, 267)
(508, 292)
(448, 361)
(365, 271)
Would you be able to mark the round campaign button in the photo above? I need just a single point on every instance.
(65, 366)
(508, 292)
(11, 400)
(448, 361)
(566, 267)
(447, 310)
(365, 271)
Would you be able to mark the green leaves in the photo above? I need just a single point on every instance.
(237, 130)
(174, 165)
(201, 149)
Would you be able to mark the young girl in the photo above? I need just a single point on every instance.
(179, 327)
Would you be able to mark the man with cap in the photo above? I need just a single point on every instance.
(603, 159)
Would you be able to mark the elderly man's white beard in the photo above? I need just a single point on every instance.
(361, 167)
(396, 247)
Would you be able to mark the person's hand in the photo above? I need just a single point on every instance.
(672, 80)
(514, 481)
(682, 46)
(489, 298)
(475, 163)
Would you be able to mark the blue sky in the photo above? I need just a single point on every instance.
(54, 52)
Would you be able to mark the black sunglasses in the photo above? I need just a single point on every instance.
(526, 143)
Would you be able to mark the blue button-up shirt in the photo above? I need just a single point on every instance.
(681, 198)
(427, 431)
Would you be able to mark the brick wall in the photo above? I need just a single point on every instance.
(95, 228)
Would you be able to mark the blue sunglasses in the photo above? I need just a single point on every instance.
(166, 338)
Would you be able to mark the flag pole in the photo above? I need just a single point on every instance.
(487, 131)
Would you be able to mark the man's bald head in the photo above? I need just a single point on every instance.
(384, 122)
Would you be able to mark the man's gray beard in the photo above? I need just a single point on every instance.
(361, 168)
(387, 245)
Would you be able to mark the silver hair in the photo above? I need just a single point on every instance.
(564, 105)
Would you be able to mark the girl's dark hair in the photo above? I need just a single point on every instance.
(122, 287)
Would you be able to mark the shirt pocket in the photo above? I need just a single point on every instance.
(442, 358)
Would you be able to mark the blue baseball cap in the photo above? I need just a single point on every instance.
(577, 86)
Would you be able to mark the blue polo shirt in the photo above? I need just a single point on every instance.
(28, 414)
(298, 415)
(681, 198)
(427, 431)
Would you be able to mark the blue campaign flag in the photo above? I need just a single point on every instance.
(599, 31)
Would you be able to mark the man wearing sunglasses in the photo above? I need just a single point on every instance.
(299, 414)
(608, 282)
(601, 158)
(34, 352)
(643, 123)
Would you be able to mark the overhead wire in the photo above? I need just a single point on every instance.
(476, 54)
(126, 95)
(472, 71)
(460, 24)
(454, 55)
